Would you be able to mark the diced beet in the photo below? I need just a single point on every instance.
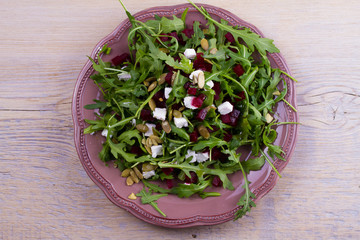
(169, 183)
(214, 129)
(241, 96)
(239, 70)
(216, 182)
(201, 115)
(226, 118)
(217, 90)
(176, 106)
(200, 63)
(187, 85)
(158, 126)
(146, 115)
(230, 37)
(197, 102)
(168, 77)
(191, 91)
(215, 153)
(167, 171)
(235, 113)
(136, 150)
(188, 32)
(116, 61)
(202, 96)
(169, 68)
(233, 121)
(194, 136)
(227, 137)
(194, 178)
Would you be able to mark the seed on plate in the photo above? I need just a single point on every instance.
(213, 50)
(138, 173)
(147, 167)
(165, 50)
(129, 181)
(152, 104)
(204, 44)
(148, 149)
(177, 114)
(152, 86)
(132, 196)
(201, 80)
(133, 176)
(125, 173)
(268, 118)
(161, 79)
(166, 126)
(142, 128)
(156, 138)
(203, 131)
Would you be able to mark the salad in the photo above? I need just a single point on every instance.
(180, 103)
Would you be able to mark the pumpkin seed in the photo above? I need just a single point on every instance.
(149, 143)
(204, 132)
(133, 176)
(142, 128)
(213, 50)
(165, 50)
(146, 84)
(152, 104)
(148, 149)
(170, 115)
(129, 181)
(138, 173)
(143, 141)
(150, 79)
(166, 126)
(177, 114)
(182, 109)
(173, 78)
(156, 138)
(201, 80)
(152, 86)
(204, 44)
(146, 167)
(132, 196)
(161, 79)
(125, 173)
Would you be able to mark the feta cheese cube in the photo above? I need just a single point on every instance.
(160, 113)
(180, 122)
(202, 157)
(167, 92)
(210, 84)
(225, 108)
(188, 102)
(148, 174)
(156, 151)
(194, 74)
(190, 53)
(150, 131)
(192, 154)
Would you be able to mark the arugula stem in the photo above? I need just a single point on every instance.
(289, 104)
(137, 114)
(270, 163)
(245, 91)
(285, 73)
(176, 149)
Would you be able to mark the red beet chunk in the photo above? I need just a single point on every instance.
(188, 32)
(158, 127)
(216, 182)
(199, 63)
(167, 171)
(194, 136)
(168, 77)
(187, 85)
(202, 96)
(136, 150)
(197, 102)
(193, 179)
(169, 183)
(226, 118)
(146, 115)
(230, 37)
(202, 114)
(241, 96)
(116, 61)
(217, 90)
(239, 70)
(176, 106)
(227, 137)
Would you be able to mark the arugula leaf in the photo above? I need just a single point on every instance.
(168, 25)
(148, 198)
(253, 164)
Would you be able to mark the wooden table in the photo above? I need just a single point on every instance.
(46, 194)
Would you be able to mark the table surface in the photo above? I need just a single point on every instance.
(45, 192)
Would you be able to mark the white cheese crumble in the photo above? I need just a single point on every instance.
(194, 74)
(160, 113)
(124, 76)
(167, 92)
(105, 132)
(188, 102)
(180, 122)
(148, 174)
(192, 154)
(210, 84)
(225, 108)
(156, 151)
(150, 131)
(202, 157)
(190, 53)
(133, 122)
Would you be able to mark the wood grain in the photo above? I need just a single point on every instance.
(46, 194)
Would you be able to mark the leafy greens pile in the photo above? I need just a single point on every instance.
(157, 47)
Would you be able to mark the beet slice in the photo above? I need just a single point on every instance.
(169, 183)
(194, 136)
(216, 182)
(230, 37)
(116, 61)
(239, 70)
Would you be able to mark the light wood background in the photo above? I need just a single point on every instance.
(46, 194)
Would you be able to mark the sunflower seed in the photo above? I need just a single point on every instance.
(204, 44)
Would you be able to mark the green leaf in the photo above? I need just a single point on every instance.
(148, 198)
(253, 164)
(168, 25)
(210, 143)
(185, 191)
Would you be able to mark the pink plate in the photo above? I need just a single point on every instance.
(181, 213)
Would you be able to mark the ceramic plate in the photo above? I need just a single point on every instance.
(180, 212)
